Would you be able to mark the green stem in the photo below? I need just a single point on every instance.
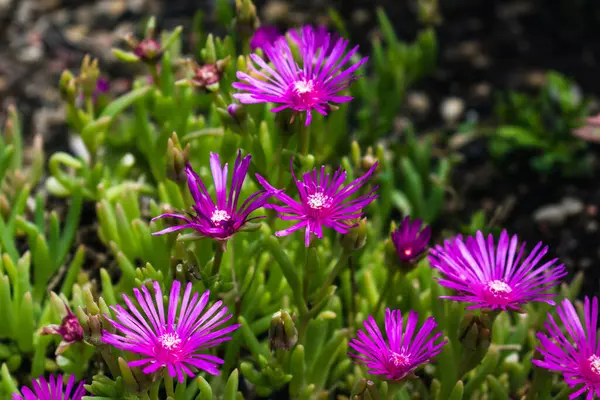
(304, 140)
(90, 106)
(109, 359)
(541, 384)
(218, 257)
(393, 389)
(169, 385)
(334, 273)
(302, 328)
(386, 291)
(353, 305)
(155, 77)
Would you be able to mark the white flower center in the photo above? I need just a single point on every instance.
(304, 86)
(169, 341)
(219, 216)
(594, 361)
(408, 252)
(399, 360)
(498, 288)
(318, 201)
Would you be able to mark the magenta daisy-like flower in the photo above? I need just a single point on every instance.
(411, 239)
(496, 277)
(222, 219)
(323, 202)
(320, 36)
(265, 35)
(407, 346)
(303, 89)
(590, 131)
(174, 341)
(51, 389)
(575, 354)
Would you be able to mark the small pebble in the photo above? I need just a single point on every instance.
(572, 206)
(550, 214)
(451, 109)
(418, 102)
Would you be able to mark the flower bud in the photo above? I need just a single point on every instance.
(238, 113)
(475, 335)
(356, 238)
(368, 160)
(88, 77)
(5, 209)
(93, 320)
(67, 87)
(365, 389)
(282, 332)
(92, 330)
(70, 329)
(176, 159)
(208, 76)
(246, 20)
(410, 242)
(148, 50)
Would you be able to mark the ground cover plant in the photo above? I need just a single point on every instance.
(263, 235)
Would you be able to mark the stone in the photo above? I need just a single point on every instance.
(451, 109)
(572, 206)
(418, 102)
(276, 11)
(552, 214)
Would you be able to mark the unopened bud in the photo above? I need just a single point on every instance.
(176, 159)
(246, 20)
(67, 86)
(356, 238)
(235, 118)
(282, 333)
(92, 330)
(237, 112)
(475, 335)
(368, 160)
(93, 320)
(208, 76)
(148, 50)
(88, 77)
(5, 210)
(365, 389)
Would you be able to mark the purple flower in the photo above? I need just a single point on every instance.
(265, 35)
(302, 89)
(173, 343)
(221, 220)
(51, 390)
(320, 35)
(70, 329)
(495, 278)
(407, 347)
(577, 354)
(102, 86)
(322, 202)
(411, 239)
(590, 131)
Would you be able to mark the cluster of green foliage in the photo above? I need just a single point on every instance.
(544, 123)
